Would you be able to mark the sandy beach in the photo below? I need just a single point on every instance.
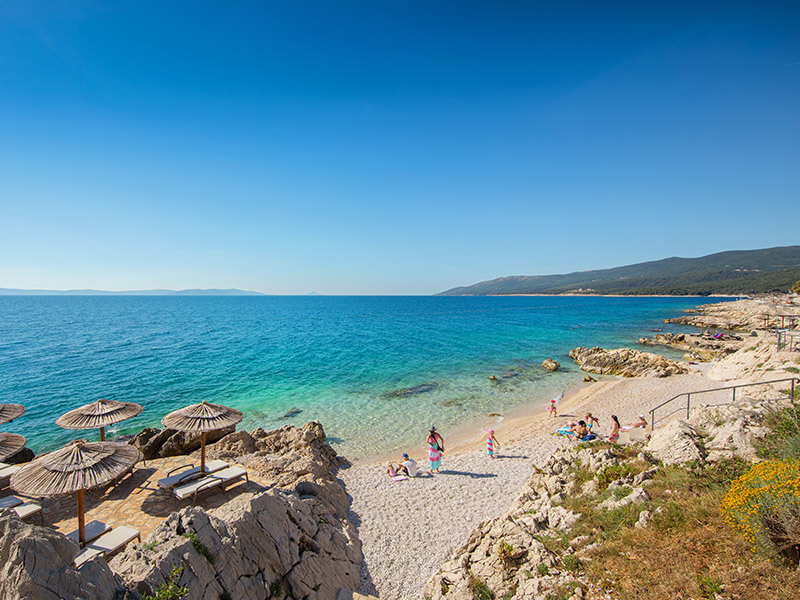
(409, 528)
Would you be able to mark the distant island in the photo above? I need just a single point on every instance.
(211, 292)
(736, 272)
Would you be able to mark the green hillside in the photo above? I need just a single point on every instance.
(733, 272)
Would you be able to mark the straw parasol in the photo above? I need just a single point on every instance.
(202, 418)
(78, 466)
(10, 444)
(99, 414)
(9, 412)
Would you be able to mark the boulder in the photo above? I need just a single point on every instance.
(625, 362)
(36, 564)
(160, 443)
(676, 442)
(248, 547)
(551, 365)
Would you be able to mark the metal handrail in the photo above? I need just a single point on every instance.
(719, 389)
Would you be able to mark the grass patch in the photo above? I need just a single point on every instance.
(792, 369)
(614, 472)
(687, 541)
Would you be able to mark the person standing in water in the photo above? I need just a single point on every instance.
(491, 443)
(435, 450)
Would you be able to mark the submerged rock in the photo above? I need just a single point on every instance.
(410, 391)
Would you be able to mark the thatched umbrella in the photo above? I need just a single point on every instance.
(202, 418)
(9, 412)
(10, 444)
(99, 414)
(78, 466)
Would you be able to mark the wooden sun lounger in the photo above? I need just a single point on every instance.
(218, 479)
(10, 502)
(92, 531)
(107, 544)
(170, 481)
(6, 473)
(28, 509)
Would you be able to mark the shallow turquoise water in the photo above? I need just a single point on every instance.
(341, 360)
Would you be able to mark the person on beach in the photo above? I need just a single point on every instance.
(491, 442)
(581, 430)
(553, 410)
(393, 470)
(614, 430)
(642, 422)
(435, 450)
(591, 420)
(411, 466)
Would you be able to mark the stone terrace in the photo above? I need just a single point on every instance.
(136, 500)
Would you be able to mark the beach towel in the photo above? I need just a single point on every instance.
(565, 431)
(399, 478)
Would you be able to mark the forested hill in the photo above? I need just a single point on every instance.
(733, 272)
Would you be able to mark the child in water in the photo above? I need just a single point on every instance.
(491, 443)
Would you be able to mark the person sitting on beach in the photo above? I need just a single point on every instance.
(410, 465)
(580, 430)
(642, 422)
(591, 420)
(553, 410)
(614, 436)
(393, 470)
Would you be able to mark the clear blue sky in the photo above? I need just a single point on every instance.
(388, 147)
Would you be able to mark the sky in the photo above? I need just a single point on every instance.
(388, 147)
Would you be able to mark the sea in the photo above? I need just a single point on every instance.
(376, 371)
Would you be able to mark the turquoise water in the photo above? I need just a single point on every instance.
(341, 360)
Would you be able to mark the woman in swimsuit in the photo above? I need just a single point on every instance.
(614, 430)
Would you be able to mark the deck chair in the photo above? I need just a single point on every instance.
(170, 481)
(6, 473)
(92, 531)
(212, 480)
(28, 509)
(10, 502)
(107, 544)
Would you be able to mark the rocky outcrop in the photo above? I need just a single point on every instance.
(291, 541)
(160, 443)
(256, 546)
(36, 564)
(551, 365)
(698, 347)
(624, 362)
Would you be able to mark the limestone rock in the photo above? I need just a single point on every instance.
(676, 442)
(160, 443)
(551, 365)
(36, 564)
(625, 362)
(246, 546)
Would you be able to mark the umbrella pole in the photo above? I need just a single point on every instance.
(202, 451)
(81, 524)
(102, 434)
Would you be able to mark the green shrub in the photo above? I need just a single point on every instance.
(480, 591)
(170, 589)
(783, 440)
(276, 589)
(571, 562)
(542, 569)
(614, 472)
(763, 506)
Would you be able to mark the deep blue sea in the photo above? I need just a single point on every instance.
(286, 360)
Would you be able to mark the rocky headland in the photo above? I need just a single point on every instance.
(624, 362)
(293, 540)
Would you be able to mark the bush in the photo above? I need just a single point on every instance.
(480, 591)
(783, 441)
(170, 589)
(201, 548)
(614, 472)
(763, 506)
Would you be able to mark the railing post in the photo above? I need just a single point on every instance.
(653, 418)
(688, 400)
(734, 395)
